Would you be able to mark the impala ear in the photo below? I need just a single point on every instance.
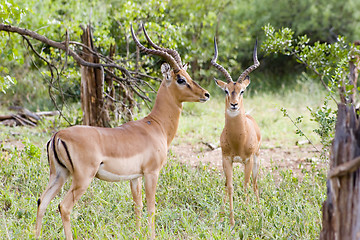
(246, 81)
(220, 83)
(185, 67)
(165, 70)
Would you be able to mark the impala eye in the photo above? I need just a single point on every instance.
(180, 80)
(227, 92)
(242, 91)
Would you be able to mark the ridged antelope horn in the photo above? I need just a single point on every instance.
(169, 59)
(218, 66)
(172, 52)
(252, 67)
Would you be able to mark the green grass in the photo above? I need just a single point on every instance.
(189, 199)
(189, 204)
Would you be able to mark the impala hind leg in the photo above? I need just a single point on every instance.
(255, 171)
(135, 186)
(56, 181)
(248, 170)
(150, 190)
(228, 171)
(77, 189)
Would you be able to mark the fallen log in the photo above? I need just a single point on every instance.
(24, 117)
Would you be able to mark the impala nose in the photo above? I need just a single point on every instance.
(206, 97)
(233, 105)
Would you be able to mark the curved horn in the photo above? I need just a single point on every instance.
(169, 59)
(218, 66)
(252, 67)
(172, 52)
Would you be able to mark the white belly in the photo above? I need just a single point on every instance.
(111, 177)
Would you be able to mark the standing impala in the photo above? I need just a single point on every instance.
(133, 150)
(240, 139)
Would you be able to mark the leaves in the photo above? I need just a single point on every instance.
(328, 62)
(10, 12)
(6, 81)
(278, 42)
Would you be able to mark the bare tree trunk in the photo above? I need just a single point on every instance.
(341, 210)
(92, 86)
(354, 66)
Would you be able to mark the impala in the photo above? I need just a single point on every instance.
(240, 139)
(134, 150)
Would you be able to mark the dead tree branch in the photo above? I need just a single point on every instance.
(128, 80)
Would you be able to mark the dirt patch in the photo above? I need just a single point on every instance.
(295, 157)
(7, 144)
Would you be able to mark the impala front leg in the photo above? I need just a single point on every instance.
(255, 172)
(150, 189)
(135, 186)
(248, 170)
(228, 170)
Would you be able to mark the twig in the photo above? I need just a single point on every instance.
(50, 66)
(287, 115)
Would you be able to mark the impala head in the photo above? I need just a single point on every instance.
(234, 90)
(176, 79)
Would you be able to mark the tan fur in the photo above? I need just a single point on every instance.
(134, 149)
(240, 139)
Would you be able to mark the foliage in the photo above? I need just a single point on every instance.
(325, 116)
(5, 82)
(171, 24)
(10, 13)
(327, 62)
(321, 20)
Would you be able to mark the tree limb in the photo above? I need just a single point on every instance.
(345, 168)
(59, 45)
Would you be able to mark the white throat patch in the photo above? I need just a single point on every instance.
(232, 113)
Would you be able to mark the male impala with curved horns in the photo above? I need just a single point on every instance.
(133, 150)
(240, 139)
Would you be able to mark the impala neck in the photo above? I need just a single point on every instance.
(166, 112)
(236, 123)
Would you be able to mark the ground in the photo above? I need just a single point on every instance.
(295, 157)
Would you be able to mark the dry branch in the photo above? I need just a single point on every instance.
(127, 79)
(59, 45)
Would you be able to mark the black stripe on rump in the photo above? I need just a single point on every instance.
(47, 150)
(55, 153)
(68, 154)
